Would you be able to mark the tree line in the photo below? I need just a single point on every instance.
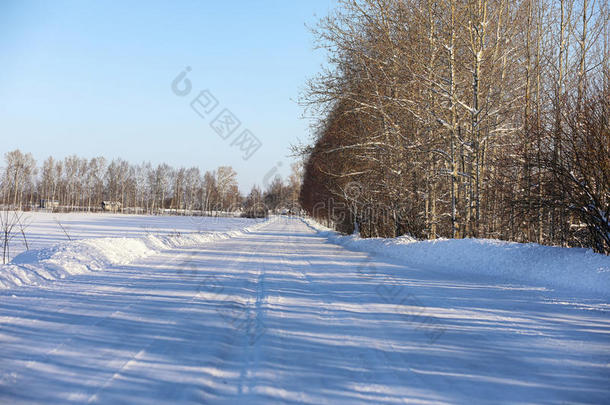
(463, 118)
(81, 184)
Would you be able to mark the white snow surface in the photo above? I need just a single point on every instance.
(148, 235)
(281, 315)
(553, 267)
(46, 229)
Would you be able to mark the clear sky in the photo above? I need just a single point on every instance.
(94, 79)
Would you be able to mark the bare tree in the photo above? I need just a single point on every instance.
(18, 174)
(437, 113)
(226, 183)
(9, 219)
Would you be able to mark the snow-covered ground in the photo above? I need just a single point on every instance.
(48, 229)
(67, 244)
(573, 269)
(280, 314)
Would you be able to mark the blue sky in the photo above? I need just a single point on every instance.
(94, 78)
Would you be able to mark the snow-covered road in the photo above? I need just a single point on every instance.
(280, 315)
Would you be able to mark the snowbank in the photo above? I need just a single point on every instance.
(555, 267)
(35, 267)
(45, 229)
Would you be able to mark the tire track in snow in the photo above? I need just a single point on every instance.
(198, 293)
(133, 277)
(72, 329)
(251, 342)
(372, 355)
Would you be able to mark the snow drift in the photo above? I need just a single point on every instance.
(36, 267)
(554, 267)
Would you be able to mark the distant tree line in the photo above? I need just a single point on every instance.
(463, 118)
(80, 184)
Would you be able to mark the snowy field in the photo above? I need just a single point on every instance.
(286, 312)
(67, 244)
(45, 229)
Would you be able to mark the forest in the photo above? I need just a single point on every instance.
(81, 184)
(462, 119)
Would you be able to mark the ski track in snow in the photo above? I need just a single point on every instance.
(280, 315)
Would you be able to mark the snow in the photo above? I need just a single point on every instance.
(574, 269)
(280, 314)
(149, 235)
(45, 229)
